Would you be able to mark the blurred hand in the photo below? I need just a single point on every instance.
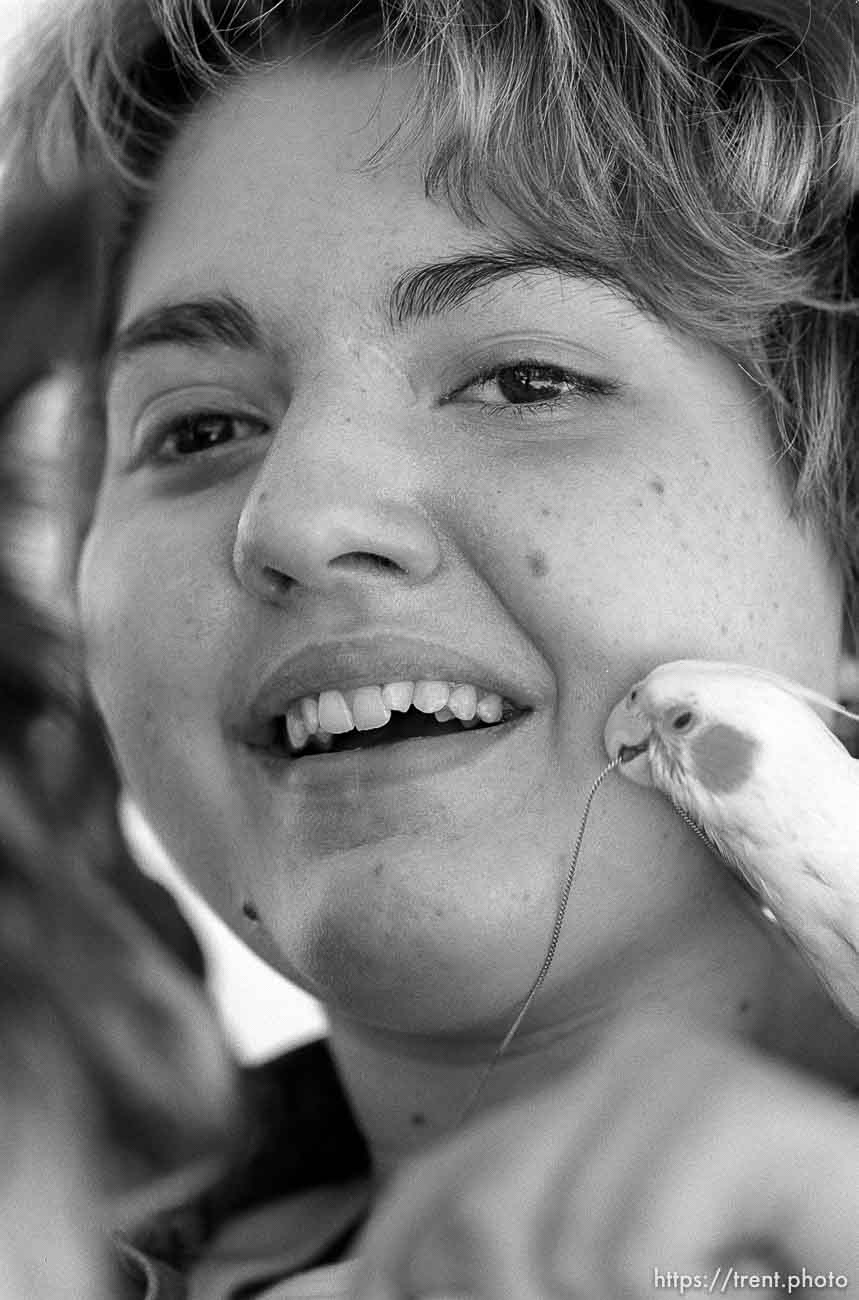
(670, 1151)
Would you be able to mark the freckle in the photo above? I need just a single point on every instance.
(723, 629)
(378, 869)
(538, 564)
(745, 1005)
(263, 496)
(438, 912)
(545, 511)
(658, 486)
(250, 911)
(418, 1120)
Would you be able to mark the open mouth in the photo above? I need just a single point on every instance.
(402, 727)
(363, 719)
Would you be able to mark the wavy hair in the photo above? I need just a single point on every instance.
(702, 157)
(113, 1074)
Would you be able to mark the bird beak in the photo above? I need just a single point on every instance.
(627, 736)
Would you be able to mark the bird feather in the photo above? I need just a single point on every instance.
(745, 755)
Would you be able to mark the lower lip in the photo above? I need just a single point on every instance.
(393, 764)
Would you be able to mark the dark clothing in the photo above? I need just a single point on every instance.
(294, 1200)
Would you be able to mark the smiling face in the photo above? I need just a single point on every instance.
(529, 488)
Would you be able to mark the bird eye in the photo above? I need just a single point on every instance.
(683, 721)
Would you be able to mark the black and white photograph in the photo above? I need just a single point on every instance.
(429, 658)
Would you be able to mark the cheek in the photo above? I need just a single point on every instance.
(577, 552)
(151, 630)
(157, 642)
(674, 551)
(698, 557)
(739, 579)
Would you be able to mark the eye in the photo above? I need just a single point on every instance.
(201, 433)
(529, 384)
(682, 721)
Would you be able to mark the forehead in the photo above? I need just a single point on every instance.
(272, 180)
(272, 193)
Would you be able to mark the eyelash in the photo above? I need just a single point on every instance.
(587, 387)
(158, 437)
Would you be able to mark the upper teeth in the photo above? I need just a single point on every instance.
(367, 707)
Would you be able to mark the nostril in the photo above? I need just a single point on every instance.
(276, 581)
(367, 560)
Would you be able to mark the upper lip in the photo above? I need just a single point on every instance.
(374, 660)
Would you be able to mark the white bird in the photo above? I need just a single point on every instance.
(745, 757)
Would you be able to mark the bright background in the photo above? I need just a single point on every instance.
(13, 16)
(261, 1012)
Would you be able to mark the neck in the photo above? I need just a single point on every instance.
(408, 1090)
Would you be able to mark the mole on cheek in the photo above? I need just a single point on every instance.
(250, 911)
(538, 564)
(657, 486)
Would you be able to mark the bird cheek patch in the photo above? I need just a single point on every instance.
(723, 758)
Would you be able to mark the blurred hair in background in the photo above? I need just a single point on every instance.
(115, 1085)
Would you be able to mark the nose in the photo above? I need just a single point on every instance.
(321, 519)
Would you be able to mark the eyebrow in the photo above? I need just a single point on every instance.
(217, 319)
(419, 294)
(440, 287)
